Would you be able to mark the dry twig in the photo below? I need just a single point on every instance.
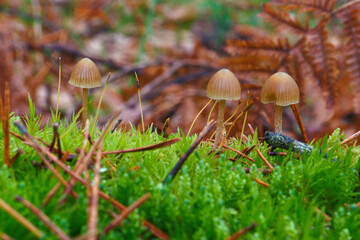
(261, 182)
(242, 232)
(145, 148)
(183, 158)
(264, 159)
(94, 197)
(299, 121)
(44, 218)
(126, 212)
(21, 219)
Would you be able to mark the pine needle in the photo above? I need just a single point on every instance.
(98, 107)
(192, 124)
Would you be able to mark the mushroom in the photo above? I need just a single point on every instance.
(223, 85)
(281, 89)
(85, 75)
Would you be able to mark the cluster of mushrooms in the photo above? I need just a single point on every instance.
(280, 88)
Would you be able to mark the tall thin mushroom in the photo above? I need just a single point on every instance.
(85, 75)
(281, 89)
(222, 86)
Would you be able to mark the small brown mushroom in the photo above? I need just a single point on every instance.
(85, 75)
(281, 89)
(222, 86)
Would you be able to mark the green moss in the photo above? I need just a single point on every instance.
(211, 198)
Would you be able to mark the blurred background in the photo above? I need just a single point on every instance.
(175, 47)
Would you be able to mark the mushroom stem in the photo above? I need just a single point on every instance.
(278, 118)
(220, 124)
(84, 107)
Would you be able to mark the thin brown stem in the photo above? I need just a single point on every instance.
(51, 194)
(295, 110)
(278, 118)
(84, 106)
(4, 236)
(236, 151)
(44, 218)
(126, 212)
(220, 124)
(17, 154)
(242, 232)
(21, 219)
(264, 159)
(351, 138)
(261, 182)
(183, 158)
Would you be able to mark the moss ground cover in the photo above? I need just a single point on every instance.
(211, 197)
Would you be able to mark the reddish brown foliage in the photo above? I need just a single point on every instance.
(323, 57)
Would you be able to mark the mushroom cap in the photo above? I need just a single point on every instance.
(223, 85)
(85, 74)
(281, 89)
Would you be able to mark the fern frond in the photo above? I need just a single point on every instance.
(249, 32)
(319, 6)
(299, 69)
(320, 55)
(253, 64)
(283, 19)
(351, 19)
(265, 46)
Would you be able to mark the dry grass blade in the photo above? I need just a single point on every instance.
(21, 219)
(165, 126)
(351, 138)
(264, 159)
(94, 197)
(251, 129)
(242, 232)
(299, 121)
(245, 110)
(183, 158)
(126, 212)
(44, 218)
(145, 148)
